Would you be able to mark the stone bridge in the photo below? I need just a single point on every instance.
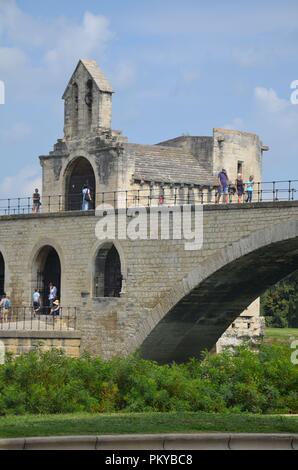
(174, 303)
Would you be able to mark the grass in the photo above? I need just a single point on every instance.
(135, 423)
(280, 335)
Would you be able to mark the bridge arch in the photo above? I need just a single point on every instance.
(193, 316)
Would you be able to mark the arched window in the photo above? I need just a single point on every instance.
(79, 173)
(89, 101)
(2, 274)
(107, 276)
(47, 270)
(75, 108)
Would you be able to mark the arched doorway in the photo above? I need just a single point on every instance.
(108, 276)
(2, 274)
(48, 269)
(79, 173)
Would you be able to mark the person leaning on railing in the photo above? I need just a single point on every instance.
(36, 201)
(249, 188)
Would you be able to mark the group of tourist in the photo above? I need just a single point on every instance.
(86, 199)
(228, 189)
(54, 304)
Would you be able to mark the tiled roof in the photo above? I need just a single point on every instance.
(168, 164)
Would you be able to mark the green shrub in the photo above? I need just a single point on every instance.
(50, 382)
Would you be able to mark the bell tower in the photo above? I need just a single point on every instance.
(87, 101)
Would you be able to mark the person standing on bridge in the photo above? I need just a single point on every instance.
(5, 307)
(36, 301)
(87, 199)
(52, 294)
(36, 202)
(250, 188)
(240, 187)
(223, 187)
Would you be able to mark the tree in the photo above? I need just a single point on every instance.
(279, 304)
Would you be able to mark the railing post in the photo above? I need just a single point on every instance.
(290, 182)
(273, 188)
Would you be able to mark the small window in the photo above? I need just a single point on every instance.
(240, 168)
(108, 277)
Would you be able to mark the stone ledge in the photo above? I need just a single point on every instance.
(39, 334)
(253, 205)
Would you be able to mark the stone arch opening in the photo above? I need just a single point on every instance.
(2, 274)
(75, 108)
(107, 273)
(79, 173)
(47, 268)
(89, 102)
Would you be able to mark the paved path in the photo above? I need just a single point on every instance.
(158, 442)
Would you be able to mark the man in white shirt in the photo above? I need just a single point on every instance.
(52, 294)
(36, 300)
(86, 193)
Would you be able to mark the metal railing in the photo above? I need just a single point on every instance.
(159, 194)
(28, 319)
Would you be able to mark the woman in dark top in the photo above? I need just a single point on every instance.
(240, 187)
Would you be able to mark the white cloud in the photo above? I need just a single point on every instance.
(74, 41)
(22, 184)
(236, 124)
(11, 58)
(268, 99)
(20, 27)
(55, 44)
(276, 120)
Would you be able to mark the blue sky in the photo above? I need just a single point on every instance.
(176, 66)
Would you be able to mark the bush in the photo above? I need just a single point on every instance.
(245, 381)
